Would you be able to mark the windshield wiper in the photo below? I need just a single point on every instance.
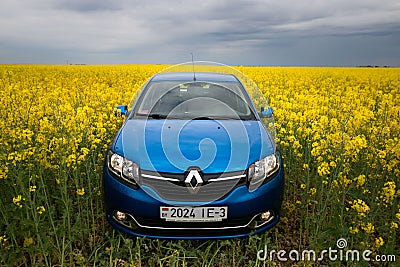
(215, 118)
(204, 118)
(157, 116)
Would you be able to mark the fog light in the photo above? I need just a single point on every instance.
(121, 216)
(265, 216)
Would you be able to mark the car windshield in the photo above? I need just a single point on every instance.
(194, 100)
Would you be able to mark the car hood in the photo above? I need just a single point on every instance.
(214, 146)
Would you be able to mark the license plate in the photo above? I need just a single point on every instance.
(193, 214)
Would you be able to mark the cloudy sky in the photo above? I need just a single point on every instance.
(253, 32)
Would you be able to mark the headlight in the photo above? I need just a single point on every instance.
(259, 171)
(115, 162)
(123, 168)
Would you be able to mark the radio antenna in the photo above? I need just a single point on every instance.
(194, 73)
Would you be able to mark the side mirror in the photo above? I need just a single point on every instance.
(266, 113)
(123, 109)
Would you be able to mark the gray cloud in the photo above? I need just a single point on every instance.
(311, 32)
(87, 5)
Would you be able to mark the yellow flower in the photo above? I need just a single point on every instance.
(360, 206)
(353, 230)
(17, 201)
(32, 188)
(3, 172)
(344, 180)
(28, 241)
(388, 192)
(303, 186)
(323, 169)
(312, 191)
(40, 209)
(369, 228)
(84, 151)
(81, 191)
(382, 154)
(3, 240)
(379, 242)
(394, 225)
(360, 180)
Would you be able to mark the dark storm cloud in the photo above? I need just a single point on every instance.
(87, 5)
(282, 32)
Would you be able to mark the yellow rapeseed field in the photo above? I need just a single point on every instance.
(338, 129)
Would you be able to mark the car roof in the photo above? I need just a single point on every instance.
(200, 76)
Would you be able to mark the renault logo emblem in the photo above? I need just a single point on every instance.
(193, 181)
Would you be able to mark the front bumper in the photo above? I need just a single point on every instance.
(143, 211)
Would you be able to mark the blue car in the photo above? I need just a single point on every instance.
(195, 159)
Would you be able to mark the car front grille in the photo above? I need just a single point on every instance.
(172, 187)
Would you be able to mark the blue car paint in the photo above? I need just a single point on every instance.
(236, 144)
